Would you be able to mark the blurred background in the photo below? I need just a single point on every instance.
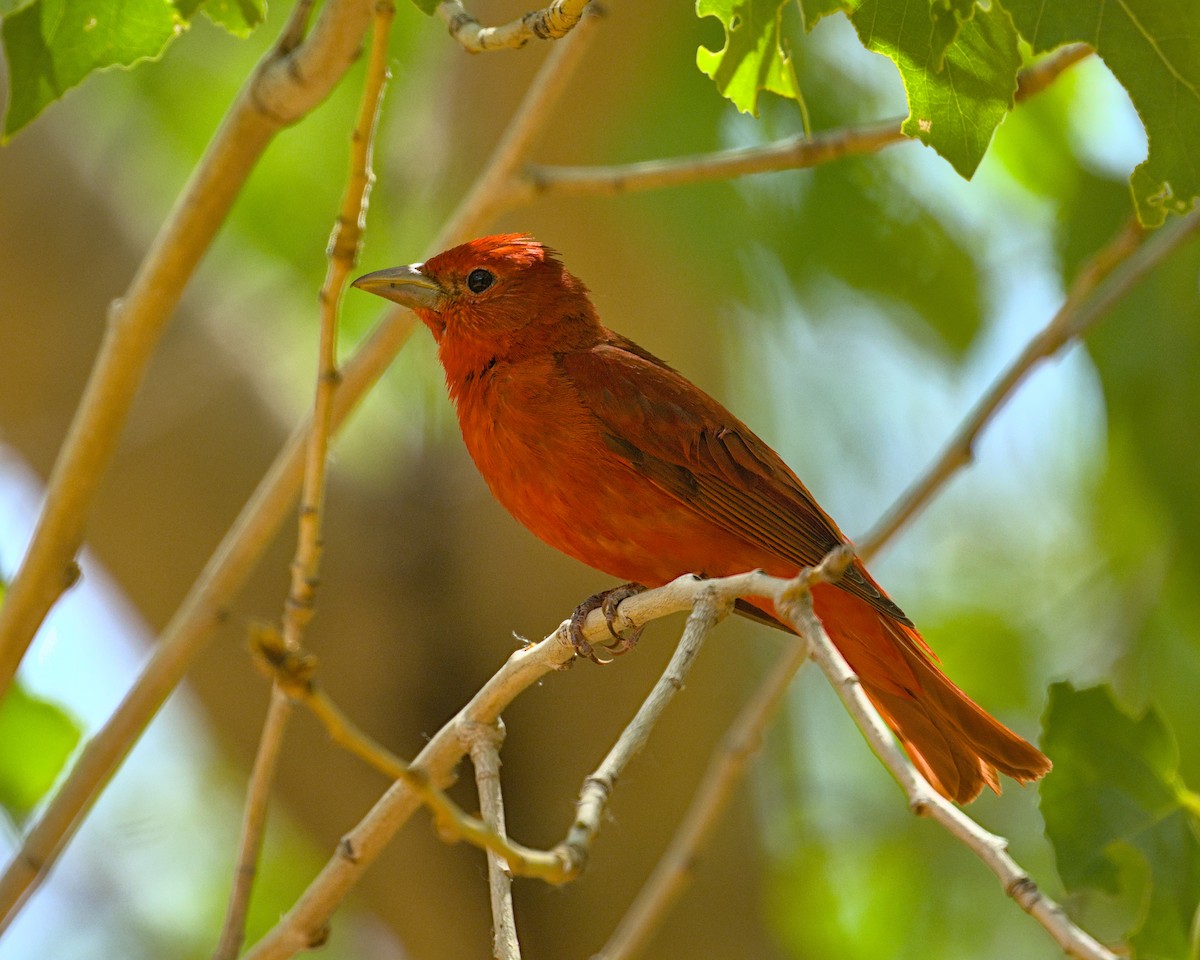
(851, 314)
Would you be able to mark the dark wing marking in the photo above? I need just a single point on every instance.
(692, 447)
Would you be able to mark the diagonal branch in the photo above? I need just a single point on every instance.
(289, 81)
(1110, 274)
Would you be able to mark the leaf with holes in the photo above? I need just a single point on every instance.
(755, 56)
(1153, 49)
(954, 108)
(52, 45)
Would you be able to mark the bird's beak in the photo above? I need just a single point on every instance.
(406, 285)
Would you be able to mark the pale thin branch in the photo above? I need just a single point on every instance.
(791, 153)
(254, 818)
(673, 871)
(549, 23)
(283, 87)
(1107, 277)
(483, 744)
(293, 671)
(204, 608)
(925, 801)
(298, 609)
(598, 787)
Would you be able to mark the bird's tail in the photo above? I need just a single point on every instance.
(954, 742)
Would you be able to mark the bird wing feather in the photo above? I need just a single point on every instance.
(695, 449)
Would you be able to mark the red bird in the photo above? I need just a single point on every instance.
(608, 454)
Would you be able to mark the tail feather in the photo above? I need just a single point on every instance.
(955, 743)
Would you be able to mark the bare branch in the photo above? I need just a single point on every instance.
(791, 153)
(925, 801)
(1110, 274)
(598, 788)
(359, 848)
(550, 23)
(483, 743)
(284, 86)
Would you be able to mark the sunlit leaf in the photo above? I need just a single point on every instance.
(238, 17)
(1153, 49)
(1115, 788)
(755, 56)
(53, 44)
(813, 10)
(37, 738)
(957, 94)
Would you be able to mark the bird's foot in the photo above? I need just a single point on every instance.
(606, 602)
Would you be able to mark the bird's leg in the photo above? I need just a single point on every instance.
(606, 601)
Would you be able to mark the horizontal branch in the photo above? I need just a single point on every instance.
(791, 153)
(550, 23)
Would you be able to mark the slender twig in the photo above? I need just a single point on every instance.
(298, 609)
(925, 801)
(673, 871)
(598, 787)
(254, 817)
(483, 743)
(1110, 274)
(791, 153)
(550, 23)
(284, 86)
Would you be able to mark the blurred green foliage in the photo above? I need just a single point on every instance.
(1116, 785)
(38, 737)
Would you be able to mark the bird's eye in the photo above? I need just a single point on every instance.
(479, 280)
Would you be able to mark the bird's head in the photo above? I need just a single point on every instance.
(503, 289)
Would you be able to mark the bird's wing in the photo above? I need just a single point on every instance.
(689, 445)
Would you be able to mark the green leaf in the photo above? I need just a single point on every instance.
(755, 56)
(38, 738)
(947, 17)
(957, 93)
(1116, 790)
(428, 7)
(53, 44)
(237, 17)
(813, 10)
(12, 6)
(1153, 49)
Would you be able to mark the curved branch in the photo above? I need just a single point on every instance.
(550, 23)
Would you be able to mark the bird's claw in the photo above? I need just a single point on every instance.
(606, 602)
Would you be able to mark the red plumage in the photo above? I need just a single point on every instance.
(611, 456)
